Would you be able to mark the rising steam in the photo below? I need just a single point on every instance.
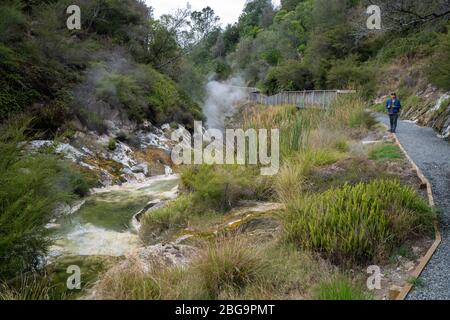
(221, 100)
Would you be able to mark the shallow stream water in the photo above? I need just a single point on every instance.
(103, 225)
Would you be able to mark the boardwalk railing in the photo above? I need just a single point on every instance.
(302, 99)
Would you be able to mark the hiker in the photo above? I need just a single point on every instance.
(393, 106)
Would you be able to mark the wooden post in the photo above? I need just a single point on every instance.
(323, 99)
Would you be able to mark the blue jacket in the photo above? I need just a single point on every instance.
(393, 107)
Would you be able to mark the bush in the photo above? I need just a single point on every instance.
(123, 90)
(350, 74)
(340, 289)
(357, 223)
(29, 192)
(385, 151)
(294, 125)
(439, 69)
(174, 215)
(112, 144)
(221, 187)
(291, 76)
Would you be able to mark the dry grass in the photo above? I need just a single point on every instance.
(128, 281)
(228, 268)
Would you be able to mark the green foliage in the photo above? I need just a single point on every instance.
(340, 289)
(12, 21)
(29, 288)
(293, 126)
(362, 118)
(32, 184)
(357, 223)
(439, 69)
(379, 107)
(39, 72)
(417, 43)
(112, 144)
(221, 187)
(167, 103)
(416, 282)
(350, 74)
(292, 76)
(386, 152)
(211, 190)
(126, 89)
(174, 215)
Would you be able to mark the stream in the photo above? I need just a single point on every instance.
(103, 225)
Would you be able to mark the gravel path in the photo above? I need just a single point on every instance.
(432, 155)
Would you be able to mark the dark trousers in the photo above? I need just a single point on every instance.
(394, 119)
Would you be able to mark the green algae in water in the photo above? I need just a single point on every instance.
(114, 216)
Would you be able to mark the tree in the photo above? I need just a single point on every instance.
(257, 14)
(292, 75)
(203, 22)
(407, 14)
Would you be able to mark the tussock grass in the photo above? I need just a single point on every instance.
(229, 265)
(386, 152)
(128, 282)
(227, 268)
(29, 287)
(357, 223)
(340, 288)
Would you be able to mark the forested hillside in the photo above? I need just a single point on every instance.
(319, 44)
(88, 178)
(114, 68)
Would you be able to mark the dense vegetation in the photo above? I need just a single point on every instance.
(126, 66)
(31, 187)
(319, 44)
(63, 77)
(359, 216)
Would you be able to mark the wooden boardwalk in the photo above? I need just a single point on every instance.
(302, 99)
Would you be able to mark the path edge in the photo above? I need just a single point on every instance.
(438, 238)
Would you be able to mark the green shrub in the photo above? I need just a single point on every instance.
(221, 187)
(294, 125)
(361, 118)
(416, 282)
(128, 92)
(386, 151)
(26, 200)
(409, 45)
(112, 144)
(166, 102)
(174, 215)
(350, 74)
(340, 289)
(357, 223)
(291, 76)
(439, 69)
(31, 186)
(379, 107)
